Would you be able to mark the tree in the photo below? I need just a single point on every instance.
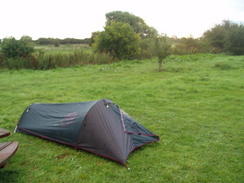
(235, 39)
(161, 49)
(226, 37)
(145, 48)
(92, 39)
(26, 39)
(119, 40)
(216, 38)
(12, 48)
(138, 24)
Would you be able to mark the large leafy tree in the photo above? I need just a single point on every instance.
(226, 37)
(138, 24)
(235, 39)
(216, 38)
(119, 40)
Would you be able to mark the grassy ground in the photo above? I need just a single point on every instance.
(195, 106)
(69, 48)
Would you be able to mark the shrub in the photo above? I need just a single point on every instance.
(12, 48)
(223, 66)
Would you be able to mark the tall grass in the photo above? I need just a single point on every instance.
(195, 106)
(71, 59)
(49, 58)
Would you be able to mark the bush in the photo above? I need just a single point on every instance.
(12, 48)
(186, 46)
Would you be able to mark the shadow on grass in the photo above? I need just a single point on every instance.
(9, 175)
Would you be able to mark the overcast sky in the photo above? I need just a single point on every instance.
(79, 18)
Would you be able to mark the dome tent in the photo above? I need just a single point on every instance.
(99, 127)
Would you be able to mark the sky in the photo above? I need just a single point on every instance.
(79, 18)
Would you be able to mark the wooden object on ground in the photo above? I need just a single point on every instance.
(7, 150)
(4, 133)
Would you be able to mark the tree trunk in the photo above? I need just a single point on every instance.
(160, 67)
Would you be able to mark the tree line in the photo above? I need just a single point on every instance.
(124, 28)
(57, 42)
(52, 41)
(126, 36)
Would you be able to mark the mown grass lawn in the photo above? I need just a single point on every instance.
(195, 106)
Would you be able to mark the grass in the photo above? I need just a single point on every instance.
(62, 48)
(49, 57)
(195, 106)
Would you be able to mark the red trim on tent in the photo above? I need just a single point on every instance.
(102, 155)
(76, 147)
(43, 137)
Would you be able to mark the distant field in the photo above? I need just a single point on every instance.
(195, 106)
(62, 48)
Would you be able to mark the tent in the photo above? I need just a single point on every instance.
(99, 127)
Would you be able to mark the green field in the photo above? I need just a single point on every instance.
(195, 106)
(62, 49)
